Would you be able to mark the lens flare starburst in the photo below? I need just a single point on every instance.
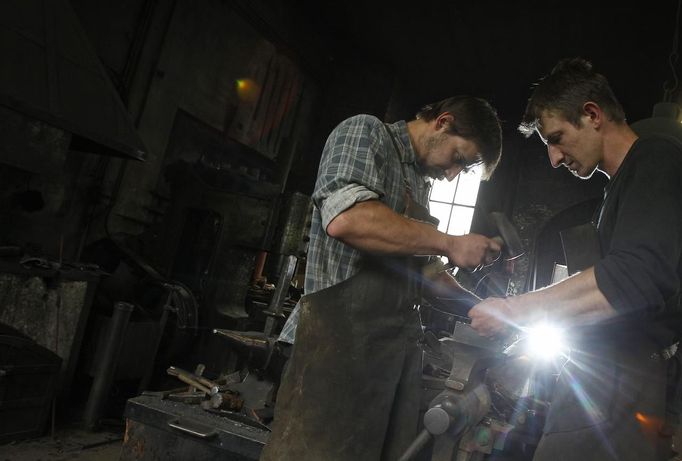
(545, 341)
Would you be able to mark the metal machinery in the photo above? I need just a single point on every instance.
(482, 399)
(481, 404)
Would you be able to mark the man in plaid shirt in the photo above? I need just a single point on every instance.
(351, 389)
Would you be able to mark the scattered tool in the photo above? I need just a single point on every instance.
(224, 401)
(198, 371)
(255, 340)
(198, 382)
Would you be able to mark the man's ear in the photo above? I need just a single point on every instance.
(594, 113)
(444, 119)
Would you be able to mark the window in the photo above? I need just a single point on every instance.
(453, 202)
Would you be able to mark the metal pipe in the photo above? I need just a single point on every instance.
(104, 375)
(148, 373)
(416, 446)
(276, 306)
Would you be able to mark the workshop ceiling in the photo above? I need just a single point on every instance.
(497, 49)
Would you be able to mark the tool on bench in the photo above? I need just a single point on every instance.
(198, 382)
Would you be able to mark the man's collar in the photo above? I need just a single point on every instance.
(407, 153)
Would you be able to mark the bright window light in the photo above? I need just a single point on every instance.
(453, 202)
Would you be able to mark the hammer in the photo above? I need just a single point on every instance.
(507, 236)
(199, 382)
(504, 233)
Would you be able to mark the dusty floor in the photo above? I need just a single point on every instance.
(67, 444)
(79, 444)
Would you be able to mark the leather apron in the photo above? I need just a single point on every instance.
(351, 390)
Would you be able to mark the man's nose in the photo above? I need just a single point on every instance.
(556, 157)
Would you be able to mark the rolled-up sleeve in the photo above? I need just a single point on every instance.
(639, 273)
(351, 169)
(342, 199)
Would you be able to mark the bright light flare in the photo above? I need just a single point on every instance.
(545, 341)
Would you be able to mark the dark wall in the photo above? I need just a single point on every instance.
(167, 56)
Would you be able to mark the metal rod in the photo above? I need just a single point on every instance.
(276, 306)
(104, 375)
(416, 446)
(148, 373)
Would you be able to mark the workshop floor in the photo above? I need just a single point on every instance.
(67, 444)
(79, 444)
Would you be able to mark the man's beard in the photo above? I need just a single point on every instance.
(430, 144)
(433, 172)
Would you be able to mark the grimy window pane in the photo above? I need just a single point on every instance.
(442, 212)
(462, 193)
(460, 220)
(444, 191)
(467, 190)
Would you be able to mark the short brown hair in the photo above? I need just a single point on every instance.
(476, 120)
(565, 90)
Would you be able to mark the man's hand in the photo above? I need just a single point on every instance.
(574, 301)
(373, 227)
(491, 316)
(471, 251)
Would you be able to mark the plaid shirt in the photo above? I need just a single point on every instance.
(358, 163)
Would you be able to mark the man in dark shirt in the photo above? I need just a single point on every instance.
(621, 313)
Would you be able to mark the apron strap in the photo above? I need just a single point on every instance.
(398, 152)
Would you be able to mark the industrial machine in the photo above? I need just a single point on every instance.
(487, 399)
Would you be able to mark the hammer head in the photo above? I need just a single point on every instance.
(507, 234)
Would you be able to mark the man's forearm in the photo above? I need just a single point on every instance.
(373, 227)
(574, 301)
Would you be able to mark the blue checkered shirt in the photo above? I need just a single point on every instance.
(358, 163)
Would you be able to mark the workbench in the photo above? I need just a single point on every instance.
(158, 429)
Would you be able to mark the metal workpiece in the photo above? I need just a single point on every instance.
(465, 366)
(465, 334)
(471, 356)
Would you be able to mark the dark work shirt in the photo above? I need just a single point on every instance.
(640, 231)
